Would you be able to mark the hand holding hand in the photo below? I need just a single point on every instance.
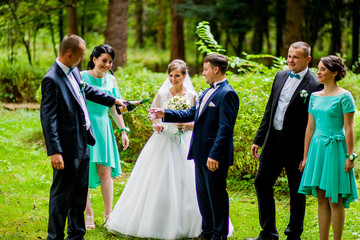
(349, 165)
(254, 151)
(156, 113)
(120, 102)
(57, 161)
(212, 164)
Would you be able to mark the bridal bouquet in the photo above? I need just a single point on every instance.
(179, 103)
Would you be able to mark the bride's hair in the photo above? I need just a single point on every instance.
(177, 64)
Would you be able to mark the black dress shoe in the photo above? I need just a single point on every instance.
(201, 237)
(259, 238)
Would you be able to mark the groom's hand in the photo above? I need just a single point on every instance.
(156, 113)
(212, 164)
(57, 161)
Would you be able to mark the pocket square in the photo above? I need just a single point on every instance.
(211, 104)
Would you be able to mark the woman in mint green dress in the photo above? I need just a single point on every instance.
(329, 156)
(104, 155)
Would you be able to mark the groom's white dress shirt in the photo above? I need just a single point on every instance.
(287, 92)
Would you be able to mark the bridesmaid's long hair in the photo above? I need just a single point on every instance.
(98, 50)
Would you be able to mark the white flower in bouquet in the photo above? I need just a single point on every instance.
(179, 103)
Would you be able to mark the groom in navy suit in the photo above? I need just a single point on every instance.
(281, 135)
(211, 145)
(67, 131)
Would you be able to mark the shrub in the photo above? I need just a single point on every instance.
(19, 81)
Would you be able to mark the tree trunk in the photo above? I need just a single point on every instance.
(260, 25)
(280, 22)
(116, 30)
(72, 17)
(83, 20)
(177, 44)
(160, 23)
(139, 38)
(52, 34)
(336, 10)
(355, 32)
(61, 20)
(294, 22)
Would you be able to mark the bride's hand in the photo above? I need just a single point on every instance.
(188, 126)
(158, 128)
(181, 127)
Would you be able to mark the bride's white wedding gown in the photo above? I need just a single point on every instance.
(159, 199)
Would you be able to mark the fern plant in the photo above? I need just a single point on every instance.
(207, 44)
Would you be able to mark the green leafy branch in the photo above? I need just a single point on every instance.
(208, 44)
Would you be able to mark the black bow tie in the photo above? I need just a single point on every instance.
(212, 86)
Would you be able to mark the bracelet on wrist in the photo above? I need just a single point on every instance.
(352, 157)
(125, 129)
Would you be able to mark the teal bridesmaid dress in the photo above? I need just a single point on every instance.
(105, 151)
(326, 158)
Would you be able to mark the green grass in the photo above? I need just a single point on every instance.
(26, 175)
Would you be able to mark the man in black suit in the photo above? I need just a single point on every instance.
(67, 131)
(211, 145)
(281, 135)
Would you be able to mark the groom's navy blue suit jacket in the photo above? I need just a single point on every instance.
(62, 118)
(213, 129)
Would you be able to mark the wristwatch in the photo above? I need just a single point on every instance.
(352, 157)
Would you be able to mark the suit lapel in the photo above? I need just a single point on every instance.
(67, 82)
(211, 97)
(280, 83)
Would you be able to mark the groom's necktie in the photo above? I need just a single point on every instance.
(70, 70)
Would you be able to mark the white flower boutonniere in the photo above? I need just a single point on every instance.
(304, 94)
(82, 86)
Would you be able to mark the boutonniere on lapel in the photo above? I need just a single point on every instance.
(82, 86)
(304, 94)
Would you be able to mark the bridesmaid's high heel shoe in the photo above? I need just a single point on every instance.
(89, 226)
(106, 217)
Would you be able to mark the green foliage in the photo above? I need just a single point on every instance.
(135, 83)
(19, 81)
(208, 45)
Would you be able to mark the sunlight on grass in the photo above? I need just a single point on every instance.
(26, 178)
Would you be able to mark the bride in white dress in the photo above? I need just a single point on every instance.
(159, 200)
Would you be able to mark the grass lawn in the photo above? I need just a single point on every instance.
(26, 176)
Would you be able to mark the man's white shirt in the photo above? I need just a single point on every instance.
(286, 94)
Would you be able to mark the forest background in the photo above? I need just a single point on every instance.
(147, 35)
